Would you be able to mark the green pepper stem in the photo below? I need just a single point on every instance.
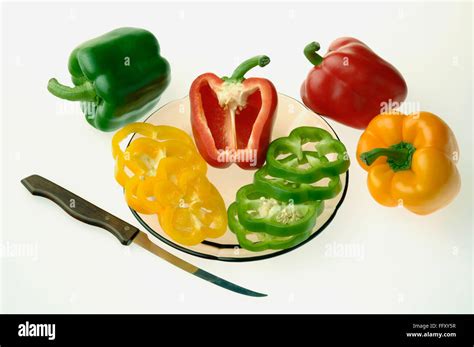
(310, 53)
(84, 92)
(399, 156)
(242, 69)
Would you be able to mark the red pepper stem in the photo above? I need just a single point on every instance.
(310, 53)
(399, 156)
(242, 69)
(84, 92)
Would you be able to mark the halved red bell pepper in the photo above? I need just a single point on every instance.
(232, 117)
(351, 84)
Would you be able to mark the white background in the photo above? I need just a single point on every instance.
(407, 263)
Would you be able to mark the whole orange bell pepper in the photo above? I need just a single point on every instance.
(411, 161)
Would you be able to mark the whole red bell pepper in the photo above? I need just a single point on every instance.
(351, 84)
(232, 117)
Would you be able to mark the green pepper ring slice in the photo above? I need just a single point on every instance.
(282, 189)
(324, 144)
(249, 200)
(265, 241)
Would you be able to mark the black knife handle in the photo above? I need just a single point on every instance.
(81, 209)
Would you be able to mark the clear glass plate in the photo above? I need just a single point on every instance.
(290, 114)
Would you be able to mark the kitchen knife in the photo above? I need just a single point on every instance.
(88, 213)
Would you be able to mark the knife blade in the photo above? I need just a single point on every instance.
(87, 212)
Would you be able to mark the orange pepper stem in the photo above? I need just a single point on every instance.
(399, 156)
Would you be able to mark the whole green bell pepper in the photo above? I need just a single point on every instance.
(307, 166)
(260, 241)
(118, 77)
(259, 212)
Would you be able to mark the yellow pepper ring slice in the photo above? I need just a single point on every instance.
(193, 208)
(144, 129)
(145, 194)
(178, 225)
(166, 132)
(155, 132)
(138, 159)
(189, 154)
(143, 155)
(212, 213)
(120, 175)
(137, 202)
(168, 188)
